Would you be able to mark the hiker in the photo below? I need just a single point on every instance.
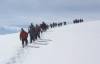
(31, 32)
(65, 22)
(37, 30)
(44, 26)
(51, 25)
(23, 37)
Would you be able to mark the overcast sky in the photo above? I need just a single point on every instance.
(13, 11)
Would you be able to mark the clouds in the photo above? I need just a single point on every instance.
(12, 10)
(33, 6)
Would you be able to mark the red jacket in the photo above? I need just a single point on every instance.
(23, 35)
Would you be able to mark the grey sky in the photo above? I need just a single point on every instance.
(33, 6)
(12, 10)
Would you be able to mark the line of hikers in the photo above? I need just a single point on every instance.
(34, 33)
(55, 24)
(77, 21)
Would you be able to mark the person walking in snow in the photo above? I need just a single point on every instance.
(23, 37)
(37, 30)
(44, 26)
(32, 32)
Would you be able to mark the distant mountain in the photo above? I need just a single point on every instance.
(8, 29)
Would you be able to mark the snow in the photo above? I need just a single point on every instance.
(70, 44)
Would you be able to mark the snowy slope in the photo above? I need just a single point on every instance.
(71, 44)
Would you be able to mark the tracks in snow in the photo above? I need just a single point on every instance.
(19, 57)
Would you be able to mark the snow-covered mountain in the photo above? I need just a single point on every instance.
(8, 29)
(70, 44)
